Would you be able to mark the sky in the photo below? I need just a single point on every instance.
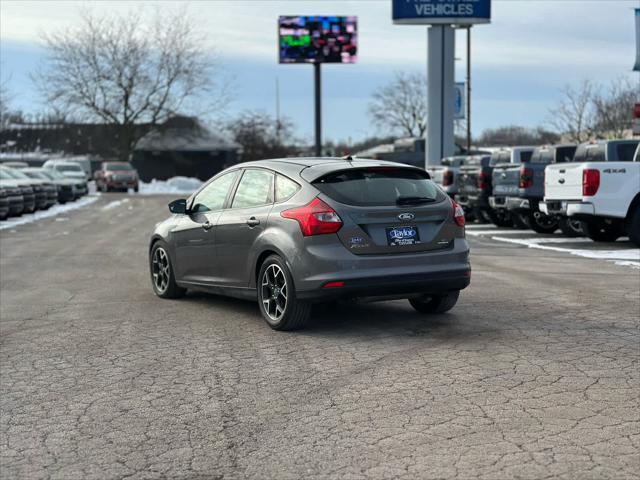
(520, 62)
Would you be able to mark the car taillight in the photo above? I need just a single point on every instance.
(447, 178)
(315, 218)
(526, 178)
(484, 181)
(458, 214)
(590, 182)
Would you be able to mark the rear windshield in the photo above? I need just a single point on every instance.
(625, 151)
(500, 157)
(477, 161)
(565, 154)
(69, 168)
(118, 166)
(542, 155)
(378, 186)
(590, 153)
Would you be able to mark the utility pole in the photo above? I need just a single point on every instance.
(278, 124)
(468, 88)
(318, 107)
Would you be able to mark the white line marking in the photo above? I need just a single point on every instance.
(498, 232)
(630, 256)
(52, 212)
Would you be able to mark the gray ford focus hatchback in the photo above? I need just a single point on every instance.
(293, 232)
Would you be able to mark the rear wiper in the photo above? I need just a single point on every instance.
(413, 200)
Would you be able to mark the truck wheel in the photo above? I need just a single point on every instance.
(480, 215)
(500, 218)
(633, 226)
(600, 230)
(436, 303)
(542, 223)
(570, 227)
(520, 222)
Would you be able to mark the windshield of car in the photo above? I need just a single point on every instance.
(69, 168)
(15, 174)
(4, 175)
(36, 175)
(378, 186)
(118, 166)
(53, 174)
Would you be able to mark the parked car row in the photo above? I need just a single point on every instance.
(590, 189)
(25, 189)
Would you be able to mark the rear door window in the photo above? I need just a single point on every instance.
(378, 186)
(255, 189)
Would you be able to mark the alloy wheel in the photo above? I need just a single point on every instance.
(274, 292)
(160, 269)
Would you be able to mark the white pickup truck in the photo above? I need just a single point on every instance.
(601, 188)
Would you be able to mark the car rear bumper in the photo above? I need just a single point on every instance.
(437, 271)
(397, 285)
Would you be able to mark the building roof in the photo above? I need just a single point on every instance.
(185, 135)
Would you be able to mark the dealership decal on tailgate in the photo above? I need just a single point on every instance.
(402, 236)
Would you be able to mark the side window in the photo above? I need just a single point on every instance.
(212, 197)
(255, 189)
(285, 188)
(625, 151)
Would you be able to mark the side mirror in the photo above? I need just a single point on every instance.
(178, 206)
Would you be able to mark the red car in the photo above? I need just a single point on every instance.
(116, 176)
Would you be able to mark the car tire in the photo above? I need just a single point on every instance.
(541, 223)
(599, 230)
(480, 215)
(277, 296)
(520, 222)
(500, 219)
(435, 304)
(633, 226)
(163, 279)
(570, 227)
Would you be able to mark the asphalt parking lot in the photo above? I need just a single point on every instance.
(534, 374)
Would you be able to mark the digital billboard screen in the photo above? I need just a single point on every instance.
(318, 39)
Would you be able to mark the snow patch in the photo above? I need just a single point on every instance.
(114, 204)
(52, 212)
(182, 185)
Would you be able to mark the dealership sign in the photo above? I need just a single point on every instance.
(448, 12)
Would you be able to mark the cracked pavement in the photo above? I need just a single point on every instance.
(533, 375)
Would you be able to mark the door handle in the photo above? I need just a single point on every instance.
(207, 225)
(253, 221)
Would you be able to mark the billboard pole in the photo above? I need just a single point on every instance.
(468, 88)
(440, 93)
(318, 107)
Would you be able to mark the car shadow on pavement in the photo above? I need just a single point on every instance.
(371, 320)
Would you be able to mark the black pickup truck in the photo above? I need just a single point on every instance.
(474, 187)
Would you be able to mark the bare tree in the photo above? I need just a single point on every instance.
(118, 70)
(574, 116)
(515, 135)
(5, 100)
(402, 104)
(261, 135)
(614, 108)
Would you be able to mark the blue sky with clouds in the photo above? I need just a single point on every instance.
(520, 62)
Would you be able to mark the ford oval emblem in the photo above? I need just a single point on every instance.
(406, 216)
